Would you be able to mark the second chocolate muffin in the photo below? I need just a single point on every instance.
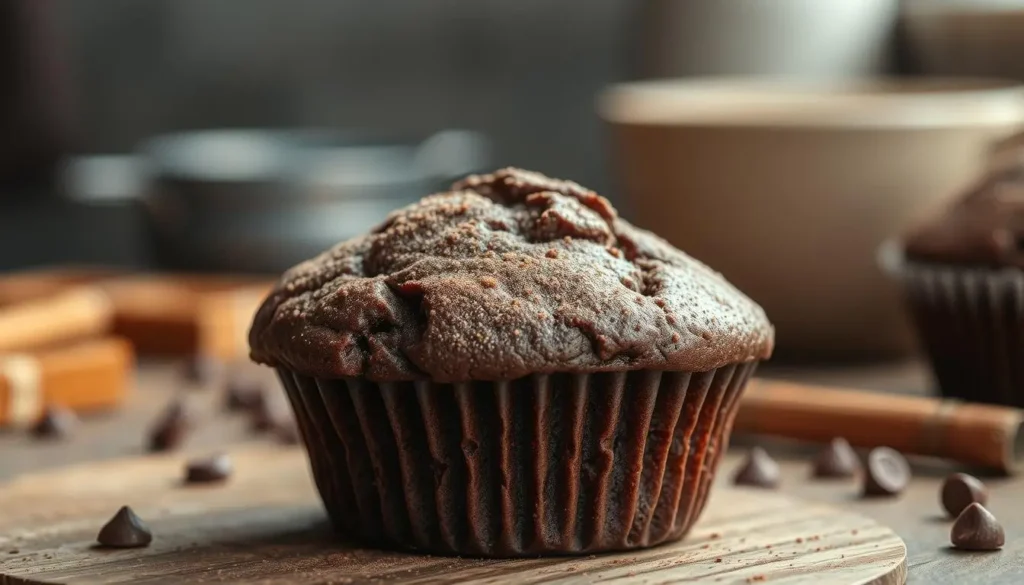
(510, 369)
(963, 275)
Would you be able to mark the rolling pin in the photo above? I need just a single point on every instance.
(76, 313)
(978, 435)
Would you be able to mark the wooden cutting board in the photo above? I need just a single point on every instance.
(266, 525)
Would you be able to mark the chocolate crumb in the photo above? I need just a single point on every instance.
(714, 535)
(209, 470)
(125, 530)
(961, 490)
(552, 253)
(13, 551)
(718, 560)
(977, 529)
(799, 540)
(55, 423)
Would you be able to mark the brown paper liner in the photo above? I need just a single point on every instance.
(547, 464)
(971, 325)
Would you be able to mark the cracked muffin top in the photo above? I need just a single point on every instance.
(508, 274)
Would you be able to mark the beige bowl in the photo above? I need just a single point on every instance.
(789, 189)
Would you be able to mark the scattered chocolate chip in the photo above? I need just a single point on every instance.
(209, 470)
(287, 433)
(836, 460)
(263, 417)
(887, 472)
(55, 423)
(242, 394)
(758, 470)
(267, 415)
(961, 490)
(202, 369)
(170, 429)
(125, 530)
(977, 529)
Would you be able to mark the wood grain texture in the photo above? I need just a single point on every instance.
(267, 525)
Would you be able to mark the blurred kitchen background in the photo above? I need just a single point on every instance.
(321, 115)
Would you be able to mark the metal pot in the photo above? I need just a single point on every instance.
(264, 200)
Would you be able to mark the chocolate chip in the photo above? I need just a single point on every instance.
(125, 530)
(170, 429)
(209, 470)
(961, 490)
(202, 369)
(977, 529)
(268, 414)
(836, 460)
(287, 433)
(242, 394)
(758, 470)
(887, 472)
(55, 423)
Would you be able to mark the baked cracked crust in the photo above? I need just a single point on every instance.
(506, 275)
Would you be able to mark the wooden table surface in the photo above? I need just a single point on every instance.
(916, 516)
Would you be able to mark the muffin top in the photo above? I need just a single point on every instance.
(985, 226)
(506, 275)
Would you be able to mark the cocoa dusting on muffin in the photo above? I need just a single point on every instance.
(509, 274)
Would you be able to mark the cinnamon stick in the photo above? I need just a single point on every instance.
(86, 376)
(73, 314)
(972, 434)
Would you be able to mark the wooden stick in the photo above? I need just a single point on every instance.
(33, 284)
(87, 376)
(179, 315)
(973, 434)
(76, 313)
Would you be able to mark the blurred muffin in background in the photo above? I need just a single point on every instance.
(963, 273)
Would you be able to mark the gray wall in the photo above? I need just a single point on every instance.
(525, 71)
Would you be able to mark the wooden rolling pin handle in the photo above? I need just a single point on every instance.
(972, 434)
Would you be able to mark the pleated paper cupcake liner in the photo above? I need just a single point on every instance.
(971, 326)
(547, 464)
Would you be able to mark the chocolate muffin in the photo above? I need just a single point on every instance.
(511, 369)
(963, 273)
